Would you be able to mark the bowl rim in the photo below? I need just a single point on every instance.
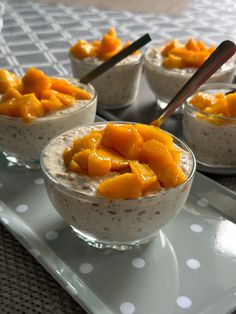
(182, 72)
(53, 115)
(92, 65)
(206, 87)
(74, 192)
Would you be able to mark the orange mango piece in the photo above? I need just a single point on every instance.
(51, 104)
(64, 87)
(231, 101)
(173, 61)
(124, 186)
(11, 93)
(81, 158)
(89, 141)
(65, 99)
(8, 79)
(35, 81)
(169, 46)
(192, 45)
(152, 132)
(125, 139)
(144, 174)
(74, 167)
(157, 153)
(67, 156)
(117, 161)
(83, 49)
(98, 166)
(171, 176)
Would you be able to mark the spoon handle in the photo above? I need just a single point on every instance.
(220, 55)
(106, 65)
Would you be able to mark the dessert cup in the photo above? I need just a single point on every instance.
(165, 83)
(210, 136)
(116, 88)
(22, 142)
(119, 224)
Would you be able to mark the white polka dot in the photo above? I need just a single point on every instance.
(39, 181)
(193, 263)
(71, 289)
(22, 208)
(5, 220)
(35, 252)
(86, 268)
(196, 228)
(127, 308)
(51, 235)
(138, 262)
(1, 184)
(203, 202)
(184, 302)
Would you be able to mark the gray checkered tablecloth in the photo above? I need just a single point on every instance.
(39, 35)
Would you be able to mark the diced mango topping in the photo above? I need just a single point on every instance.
(102, 49)
(36, 94)
(138, 157)
(192, 54)
(217, 104)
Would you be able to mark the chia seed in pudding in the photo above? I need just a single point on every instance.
(25, 141)
(121, 221)
(165, 83)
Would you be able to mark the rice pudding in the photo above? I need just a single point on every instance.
(168, 71)
(109, 209)
(24, 132)
(117, 87)
(209, 125)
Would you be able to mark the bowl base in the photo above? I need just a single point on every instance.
(116, 245)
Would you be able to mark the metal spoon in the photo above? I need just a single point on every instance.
(106, 65)
(221, 54)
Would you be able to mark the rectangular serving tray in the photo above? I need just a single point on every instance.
(191, 264)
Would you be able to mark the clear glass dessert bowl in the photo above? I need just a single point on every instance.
(116, 88)
(211, 136)
(165, 83)
(22, 142)
(120, 223)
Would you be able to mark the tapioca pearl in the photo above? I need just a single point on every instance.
(86, 268)
(51, 235)
(203, 202)
(22, 208)
(127, 308)
(35, 252)
(196, 228)
(193, 263)
(4, 220)
(39, 181)
(138, 262)
(184, 302)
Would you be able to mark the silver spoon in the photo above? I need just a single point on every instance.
(220, 55)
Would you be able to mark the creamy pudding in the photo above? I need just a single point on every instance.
(117, 87)
(210, 128)
(23, 135)
(166, 80)
(105, 219)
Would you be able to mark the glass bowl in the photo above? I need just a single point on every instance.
(22, 142)
(166, 83)
(210, 136)
(120, 224)
(116, 88)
